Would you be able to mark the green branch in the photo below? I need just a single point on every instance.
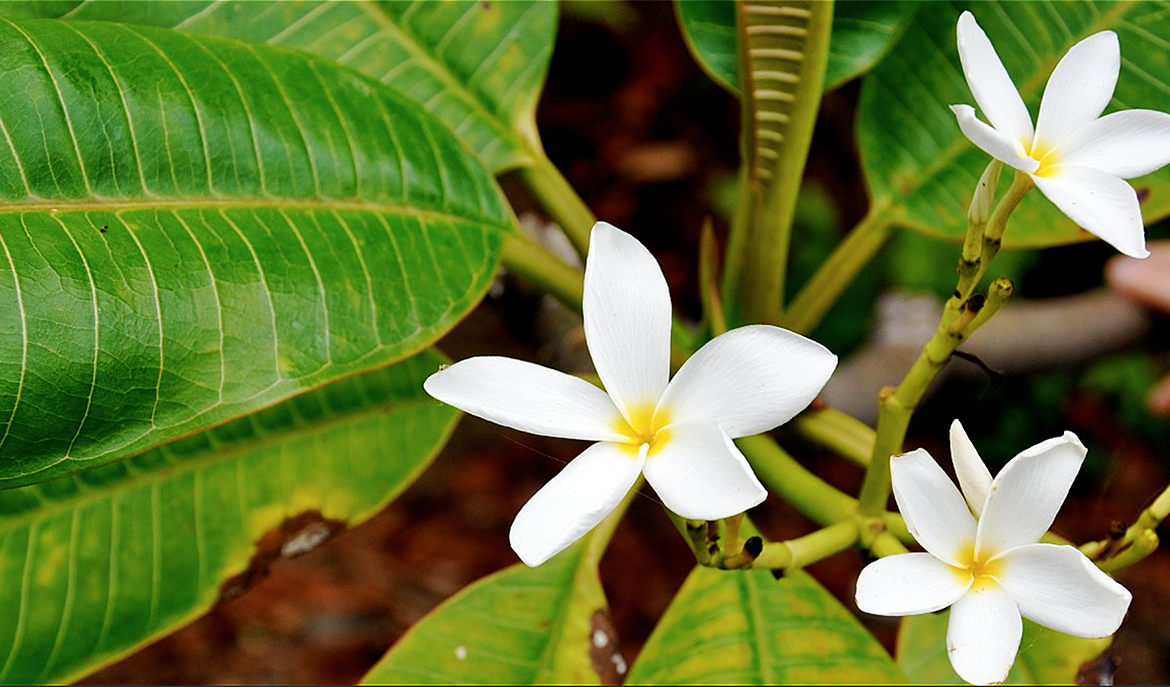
(835, 275)
(560, 201)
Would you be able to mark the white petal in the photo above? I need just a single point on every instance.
(1103, 205)
(909, 584)
(1026, 495)
(1124, 144)
(1057, 587)
(974, 478)
(991, 141)
(528, 397)
(934, 511)
(990, 84)
(574, 501)
(1078, 90)
(700, 474)
(749, 380)
(983, 635)
(627, 320)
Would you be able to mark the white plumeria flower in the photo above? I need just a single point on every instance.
(989, 567)
(1077, 158)
(744, 382)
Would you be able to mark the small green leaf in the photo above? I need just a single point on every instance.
(921, 170)
(478, 65)
(520, 626)
(863, 31)
(193, 228)
(94, 565)
(729, 627)
(1046, 657)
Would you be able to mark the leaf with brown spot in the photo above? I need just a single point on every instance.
(94, 565)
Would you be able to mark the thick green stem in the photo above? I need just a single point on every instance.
(773, 155)
(837, 431)
(896, 405)
(886, 544)
(544, 269)
(794, 483)
(794, 554)
(560, 201)
(831, 279)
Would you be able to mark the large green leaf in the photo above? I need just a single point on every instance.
(1046, 657)
(193, 228)
(477, 65)
(520, 626)
(748, 628)
(922, 171)
(96, 564)
(863, 30)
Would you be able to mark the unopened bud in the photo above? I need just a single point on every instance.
(981, 202)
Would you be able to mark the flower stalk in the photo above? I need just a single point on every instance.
(897, 405)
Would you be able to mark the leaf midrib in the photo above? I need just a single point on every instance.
(217, 203)
(215, 454)
(958, 145)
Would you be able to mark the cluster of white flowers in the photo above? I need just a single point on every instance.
(982, 558)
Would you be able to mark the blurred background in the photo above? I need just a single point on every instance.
(651, 144)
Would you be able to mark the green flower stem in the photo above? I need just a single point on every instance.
(993, 235)
(540, 266)
(794, 554)
(831, 279)
(794, 483)
(886, 544)
(837, 431)
(897, 405)
(1138, 541)
(1142, 545)
(561, 202)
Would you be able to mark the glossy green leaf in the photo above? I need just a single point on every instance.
(922, 171)
(477, 65)
(194, 228)
(727, 627)
(520, 626)
(1046, 657)
(863, 31)
(96, 564)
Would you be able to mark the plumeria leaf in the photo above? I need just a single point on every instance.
(863, 30)
(922, 171)
(193, 228)
(520, 626)
(1046, 657)
(94, 565)
(749, 628)
(478, 66)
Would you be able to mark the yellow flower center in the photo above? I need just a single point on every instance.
(1047, 157)
(983, 569)
(644, 425)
